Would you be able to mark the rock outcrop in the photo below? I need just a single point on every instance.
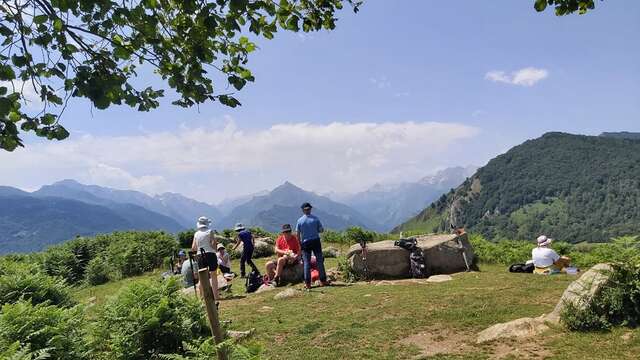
(292, 274)
(579, 293)
(443, 255)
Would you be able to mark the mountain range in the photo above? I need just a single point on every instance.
(67, 208)
(389, 205)
(570, 187)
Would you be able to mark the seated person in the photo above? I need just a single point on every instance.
(546, 260)
(189, 275)
(224, 261)
(288, 251)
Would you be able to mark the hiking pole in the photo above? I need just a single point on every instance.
(363, 254)
(193, 276)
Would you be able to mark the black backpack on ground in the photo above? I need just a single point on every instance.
(254, 281)
(522, 268)
(416, 257)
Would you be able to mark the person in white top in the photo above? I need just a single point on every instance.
(204, 240)
(545, 259)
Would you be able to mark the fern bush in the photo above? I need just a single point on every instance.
(617, 304)
(16, 351)
(206, 350)
(55, 329)
(38, 288)
(147, 319)
(99, 271)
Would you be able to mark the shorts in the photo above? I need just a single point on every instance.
(209, 259)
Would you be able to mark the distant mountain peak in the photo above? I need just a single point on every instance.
(287, 186)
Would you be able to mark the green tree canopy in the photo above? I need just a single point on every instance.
(59, 49)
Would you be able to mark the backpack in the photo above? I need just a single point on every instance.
(417, 263)
(254, 281)
(521, 268)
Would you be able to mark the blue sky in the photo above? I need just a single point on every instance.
(448, 68)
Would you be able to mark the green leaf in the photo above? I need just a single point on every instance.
(40, 19)
(5, 106)
(57, 25)
(7, 73)
(540, 5)
(18, 60)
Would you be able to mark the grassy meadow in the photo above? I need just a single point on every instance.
(406, 319)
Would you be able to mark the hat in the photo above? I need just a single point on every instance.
(286, 228)
(306, 206)
(543, 240)
(203, 222)
(220, 246)
(239, 227)
(182, 253)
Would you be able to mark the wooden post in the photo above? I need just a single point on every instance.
(212, 310)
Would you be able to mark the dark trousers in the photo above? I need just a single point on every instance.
(224, 269)
(308, 247)
(247, 253)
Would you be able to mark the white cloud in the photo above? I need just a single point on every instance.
(214, 163)
(30, 96)
(528, 76)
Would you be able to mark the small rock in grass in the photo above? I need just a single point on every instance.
(439, 278)
(287, 294)
(265, 287)
(238, 335)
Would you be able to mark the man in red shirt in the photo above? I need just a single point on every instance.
(288, 251)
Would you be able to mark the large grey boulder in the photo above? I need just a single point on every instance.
(443, 255)
(580, 293)
(292, 274)
(261, 249)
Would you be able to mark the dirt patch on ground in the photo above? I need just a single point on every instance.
(442, 341)
(437, 341)
(519, 349)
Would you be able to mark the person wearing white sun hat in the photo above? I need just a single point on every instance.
(204, 243)
(244, 237)
(546, 260)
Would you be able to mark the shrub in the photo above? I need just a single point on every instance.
(332, 237)
(618, 303)
(146, 319)
(59, 261)
(41, 326)
(185, 238)
(137, 252)
(503, 252)
(98, 271)
(206, 350)
(348, 274)
(34, 287)
(23, 352)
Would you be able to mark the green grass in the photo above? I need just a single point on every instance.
(365, 321)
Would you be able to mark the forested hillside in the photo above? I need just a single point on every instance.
(575, 188)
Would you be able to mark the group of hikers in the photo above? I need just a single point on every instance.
(292, 247)
(296, 246)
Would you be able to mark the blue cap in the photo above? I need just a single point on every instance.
(182, 253)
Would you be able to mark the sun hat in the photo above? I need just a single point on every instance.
(543, 240)
(239, 227)
(220, 246)
(306, 205)
(286, 228)
(203, 222)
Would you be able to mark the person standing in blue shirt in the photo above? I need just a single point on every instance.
(245, 237)
(309, 228)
